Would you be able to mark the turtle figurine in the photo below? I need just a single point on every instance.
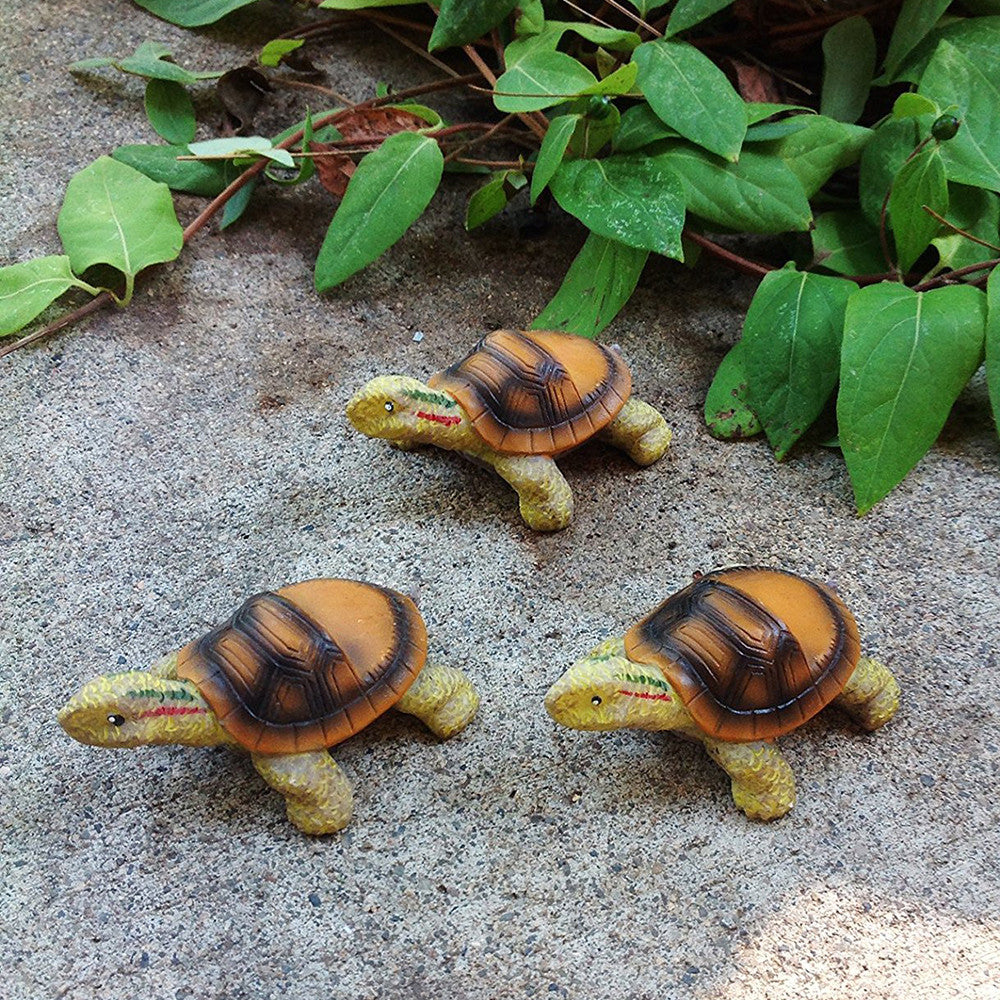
(735, 659)
(516, 402)
(292, 673)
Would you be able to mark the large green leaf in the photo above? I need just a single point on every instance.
(846, 242)
(463, 21)
(388, 192)
(848, 68)
(634, 199)
(818, 150)
(691, 94)
(557, 138)
(977, 37)
(977, 212)
(598, 283)
(905, 358)
(688, 13)
(952, 78)
(791, 350)
(593, 132)
(993, 344)
(191, 13)
(920, 182)
(640, 126)
(541, 79)
(170, 111)
(891, 143)
(115, 215)
(160, 163)
(27, 288)
(915, 20)
(727, 414)
(758, 194)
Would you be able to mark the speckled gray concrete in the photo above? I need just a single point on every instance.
(161, 463)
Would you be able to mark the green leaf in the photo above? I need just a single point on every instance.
(758, 194)
(273, 52)
(463, 21)
(952, 78)
(688, 13)
(593, 133)
(364, 4)
(906, 356)
(913, 106)
(170, 111)
(920, 182)
(115, 215)
(634, 199)
(891, 143)
(599, 282)
(976, 37)
(192, 13)
(641, 127)
(387, 194)
(846, 242)
(644, 7)
(26, 289)
(819, 150)
(758, 111)
(488, 201)
(727, 414)
(557, 137)
(530, 18)
(160, 163)
(993, 344)
(153, 61)
(691, 94)
(914, 21)
(548, 39)
(766, 131)
(791, 350)
(540, 80)
(619, 82)
(237, 204)
(977, 212)
(240, 146)
(848, 68)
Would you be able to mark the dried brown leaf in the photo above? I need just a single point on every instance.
(374, 124)
(333, 169)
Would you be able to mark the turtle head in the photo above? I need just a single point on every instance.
(609, 691)
(139, 709)
(405, 411)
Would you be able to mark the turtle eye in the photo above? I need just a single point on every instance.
(388, 406)
(596, 700)
(116, 720)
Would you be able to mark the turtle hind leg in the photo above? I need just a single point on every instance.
(546, 499)
(317, 793)
(640, 431)
(763, 783)
(871, 695)
(443, 698)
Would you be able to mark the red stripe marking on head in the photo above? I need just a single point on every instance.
(438, 418)
(170, 710)
(647, 694)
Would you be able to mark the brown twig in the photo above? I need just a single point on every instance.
(412, 46)
(634, 17)
(957, 229)
(94, 305)
(530, 120)
(742, 264)
(947, 277)
(498, 164)
(302, 84)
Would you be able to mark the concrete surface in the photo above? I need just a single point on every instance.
(163, 462)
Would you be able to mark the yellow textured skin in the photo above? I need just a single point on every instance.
(606, 690)
(442, 698)
(318, 796)
(142, 708)
(408, 413)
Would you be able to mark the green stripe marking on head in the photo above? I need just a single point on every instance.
(436, 398)
(650, 681)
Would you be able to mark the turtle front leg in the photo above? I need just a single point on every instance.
(442, 698)
(640, 431)
(546, 499)
(871, 696)
(763, 784)
(316, 790)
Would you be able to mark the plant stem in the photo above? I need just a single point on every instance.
(946, 278)
(961, 232)
(742, 264)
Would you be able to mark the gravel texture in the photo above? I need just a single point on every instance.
(162, 462)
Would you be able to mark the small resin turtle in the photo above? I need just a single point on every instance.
(517, 401)
(292, 673)
(735, 659)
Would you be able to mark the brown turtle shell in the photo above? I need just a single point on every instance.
(537, 392)
(752, 652)
(309, 665)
